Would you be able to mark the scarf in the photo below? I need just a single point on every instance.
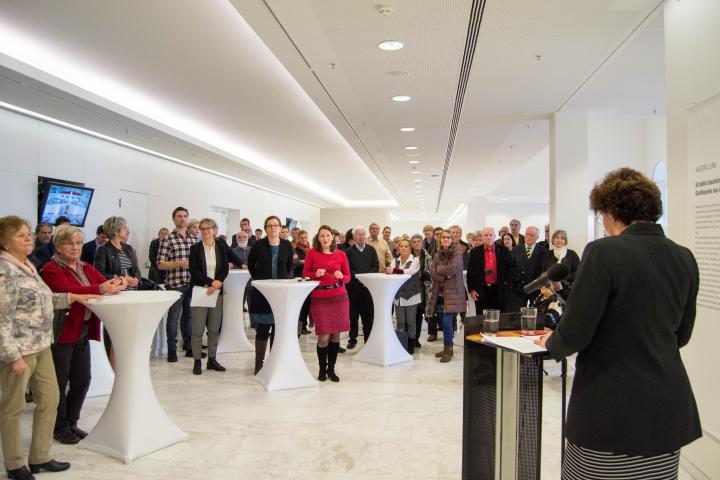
(560, 253)
(25, 265)
(303, 248)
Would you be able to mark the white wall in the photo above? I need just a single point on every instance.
(529, 214)
(31, 148)
(343, 219)
(692, 63)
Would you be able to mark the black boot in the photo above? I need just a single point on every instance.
(260, 347)
(332, 358)
(322, 353)
(197, 367)
(212, 364)
(411, 346)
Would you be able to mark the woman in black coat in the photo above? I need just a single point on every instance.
(209, 267)
(631, 310)
(559, 253)
(270, 258)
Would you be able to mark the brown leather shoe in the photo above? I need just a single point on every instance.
(432, 338)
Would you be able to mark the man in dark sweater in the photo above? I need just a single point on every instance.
(362, 259)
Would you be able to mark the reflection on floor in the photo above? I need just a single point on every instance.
(402, 422)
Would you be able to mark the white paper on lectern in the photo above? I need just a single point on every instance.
(200, 298)
(519, 344)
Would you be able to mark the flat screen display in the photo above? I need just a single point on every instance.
(66, 200)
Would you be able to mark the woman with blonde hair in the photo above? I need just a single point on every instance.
(26, 332)
(448, 292)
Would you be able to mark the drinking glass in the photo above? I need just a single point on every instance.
(491, 322)
(528, 317)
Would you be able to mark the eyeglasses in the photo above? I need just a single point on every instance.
(204, 229)
(274, 225)
(445, 236)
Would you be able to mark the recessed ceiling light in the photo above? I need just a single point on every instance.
(411, 148)
(407, 129)
(415, 171)
(414, 162)
(390, 45)
(397, 74)
(412, 154)
(417, 180)
(401, 98)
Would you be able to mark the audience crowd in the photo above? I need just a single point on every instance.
(193, 254)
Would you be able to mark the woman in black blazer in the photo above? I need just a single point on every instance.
(270, 257)
(208, 264)
(559, 253)
(631, 310)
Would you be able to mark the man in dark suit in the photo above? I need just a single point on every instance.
(515, 232)
(487, 269)
(88, 250)
(244, 227)
(526, 267)
(44, 254)
(362, 258)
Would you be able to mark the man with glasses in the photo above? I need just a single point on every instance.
(361, 259)
(173, 256)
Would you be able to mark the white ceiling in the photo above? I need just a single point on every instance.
(298, 90)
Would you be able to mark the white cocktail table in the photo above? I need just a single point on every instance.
(232, 335)
(383, 347)
(285, 367)
(134, 423)
(102, 375)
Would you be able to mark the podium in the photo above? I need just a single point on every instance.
(502, 413)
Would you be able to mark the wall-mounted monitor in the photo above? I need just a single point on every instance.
(291, 223)
(60, 198)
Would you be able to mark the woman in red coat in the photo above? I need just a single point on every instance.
(66, 273)
(329, 307)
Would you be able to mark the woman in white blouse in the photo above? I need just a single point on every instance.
(209, 268)
(409, 296)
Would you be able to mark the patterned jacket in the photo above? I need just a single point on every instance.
(26, 313)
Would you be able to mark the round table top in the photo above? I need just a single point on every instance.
(382, 276)
(239, 272)
(285, 283)
(136, 297)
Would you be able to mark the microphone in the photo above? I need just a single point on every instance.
(555, 273)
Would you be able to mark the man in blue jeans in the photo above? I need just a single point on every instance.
(173, 259)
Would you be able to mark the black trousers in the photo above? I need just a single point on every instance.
(361, 306)
(490, 299)
(72, 366)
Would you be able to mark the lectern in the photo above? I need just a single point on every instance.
(502, 412)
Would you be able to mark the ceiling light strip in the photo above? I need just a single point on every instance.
(100, 136)
(476, 14)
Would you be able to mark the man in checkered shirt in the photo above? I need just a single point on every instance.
(173, 258)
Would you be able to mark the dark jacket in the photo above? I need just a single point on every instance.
(361, 262)
(156, 275)
(234, 242)
(232, 257)
(570, 260)
(43, 254)
(260, 267)
(199, 276)
(631, 309)
(476, 270)
(523, 270)
(107, 261)
(446, 269)
(88, 251)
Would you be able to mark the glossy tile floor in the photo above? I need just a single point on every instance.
(402, 422)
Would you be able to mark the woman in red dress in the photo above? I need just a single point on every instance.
(329, 307)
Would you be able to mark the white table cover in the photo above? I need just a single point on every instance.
(102, 375)
(232, 336)
(134, 423)
(285, 367)
(383, 347)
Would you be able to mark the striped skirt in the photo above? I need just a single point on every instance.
(585, 464)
